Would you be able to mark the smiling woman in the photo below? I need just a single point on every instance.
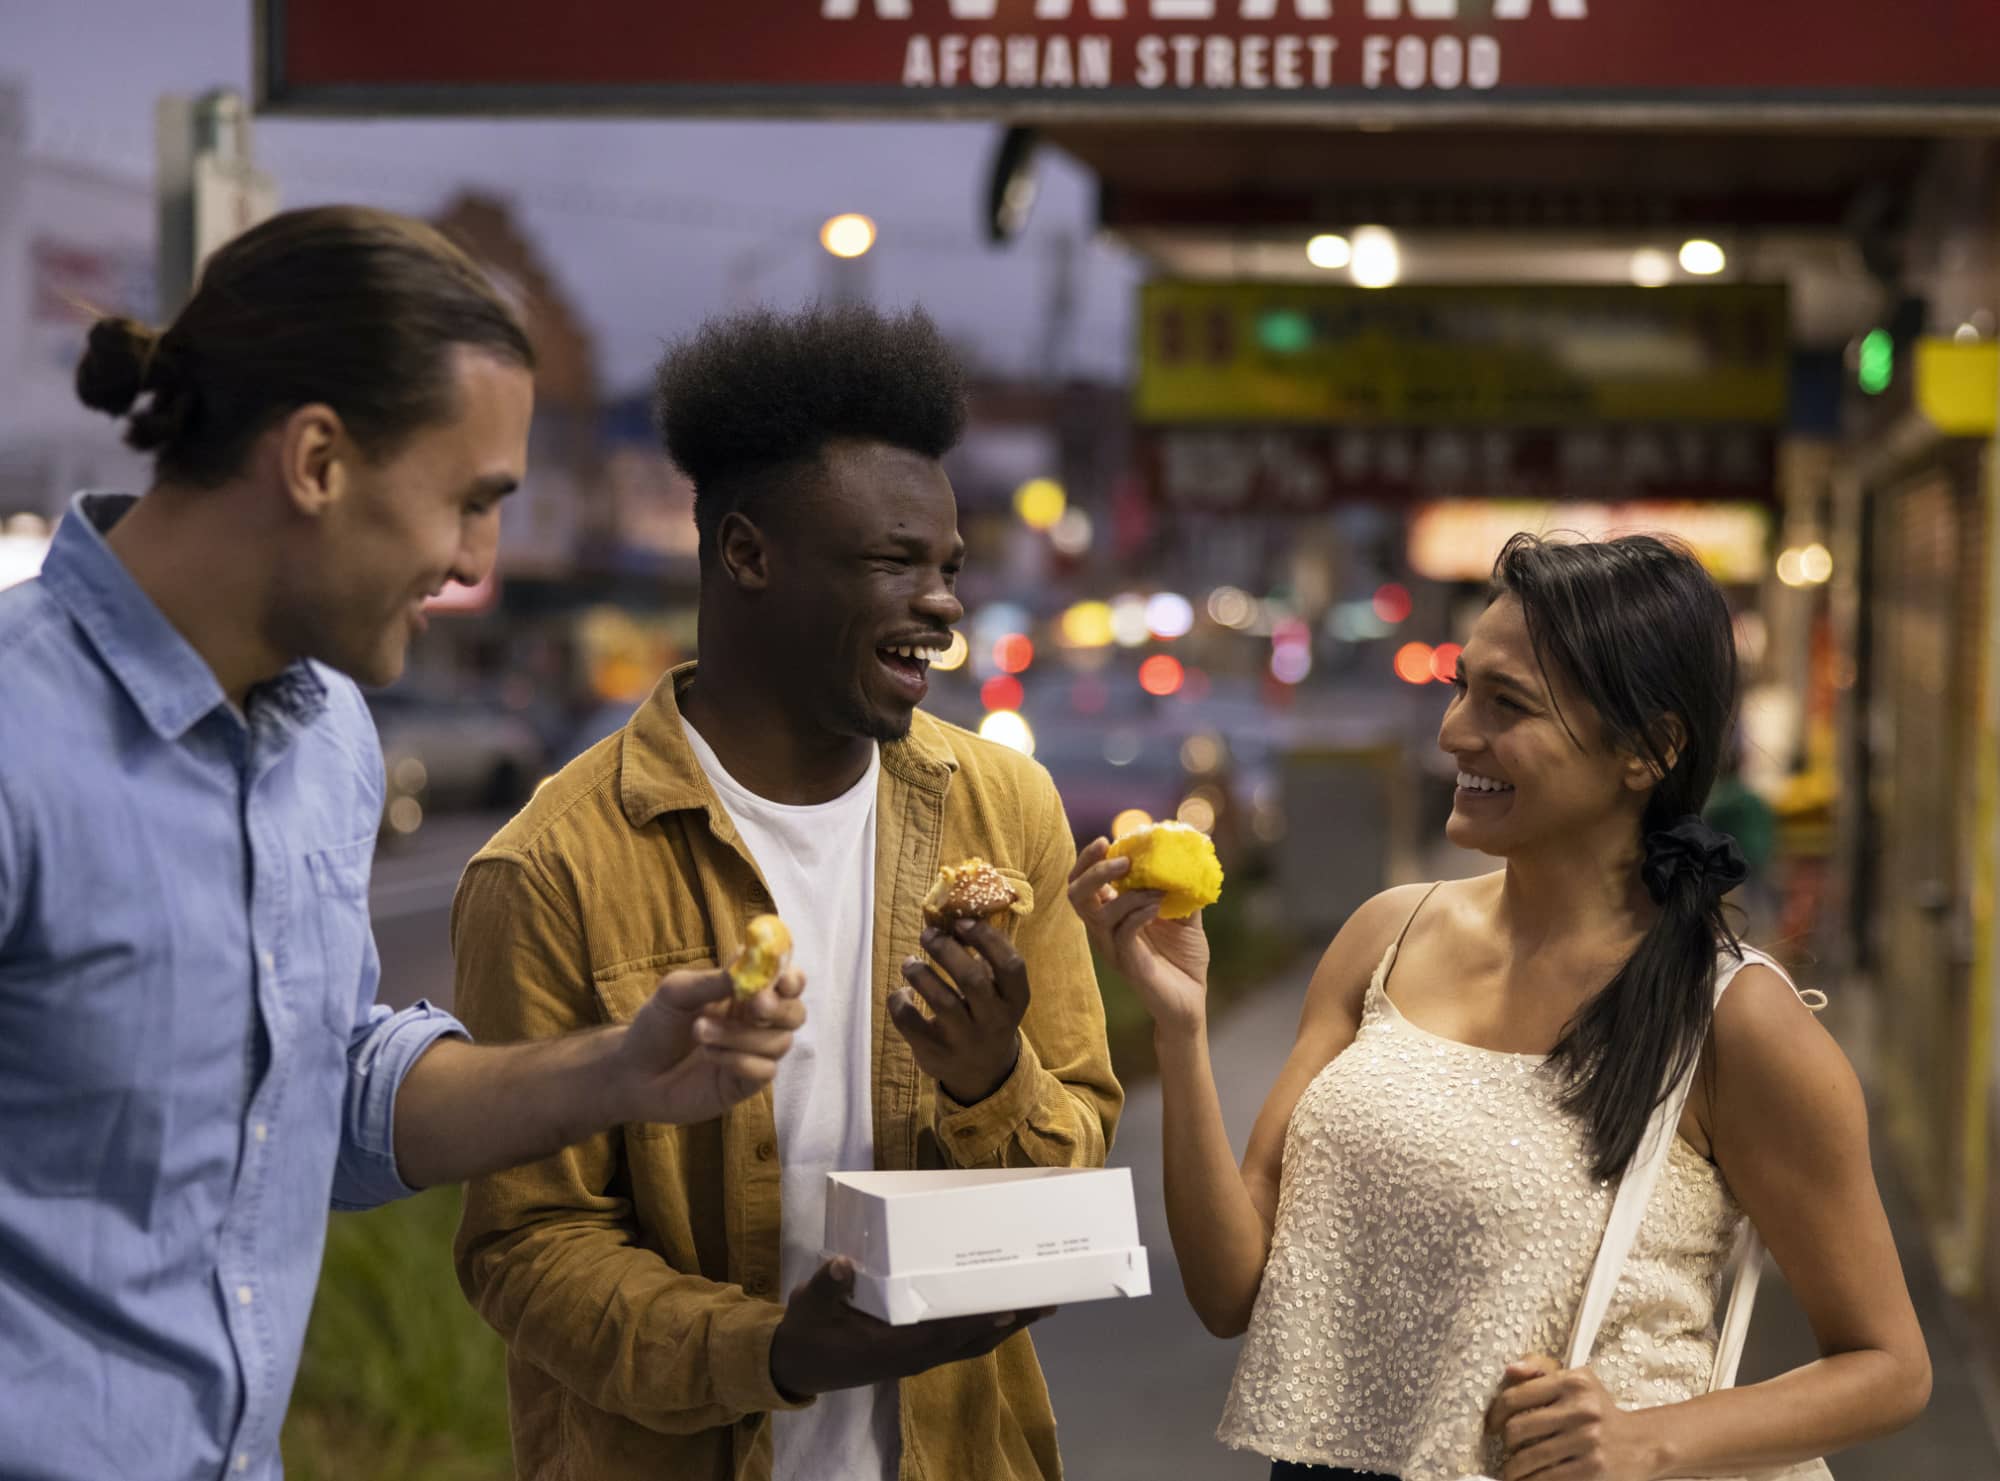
(1427, 1189)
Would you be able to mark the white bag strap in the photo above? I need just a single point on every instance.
(1628, 1211)
(1635, 1191)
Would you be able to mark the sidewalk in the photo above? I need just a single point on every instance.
(1138, 1385)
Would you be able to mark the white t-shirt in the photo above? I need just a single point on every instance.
(820, 864)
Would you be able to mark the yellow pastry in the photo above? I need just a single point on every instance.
(1175, 859)
(767, 948)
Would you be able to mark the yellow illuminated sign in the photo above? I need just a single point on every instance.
(1547, 355)
(1958, 386)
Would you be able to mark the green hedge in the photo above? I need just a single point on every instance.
(400, 1377)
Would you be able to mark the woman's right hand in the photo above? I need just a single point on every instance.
(1165, 960)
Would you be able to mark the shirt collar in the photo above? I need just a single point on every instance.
(170, 683)
(659, 772)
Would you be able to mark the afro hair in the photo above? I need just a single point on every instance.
(756, 393)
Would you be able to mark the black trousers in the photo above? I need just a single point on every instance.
(1291, 1470)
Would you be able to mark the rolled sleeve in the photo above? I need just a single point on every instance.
(383, 1049)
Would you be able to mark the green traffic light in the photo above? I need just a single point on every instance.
(1877, 363)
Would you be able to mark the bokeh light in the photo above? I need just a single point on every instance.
(1007, 728)
(1392, 603)
(1702, 257)
(1444, 662)
(1232, 607)
(1197, 811)
(1652, 268)
(848, 235)
(1040, 502)
(1378, 257)
(1161, 674)
(1087, 625)
(1130, 821)
(1201, 753)
(1121, 747)
(1013, 653)
(1169, 615)
(1001, 693)
(1071, 535)
(1128, 621)
(1291, 663)
(954, 656)
(1413, 663)
(1329, 250)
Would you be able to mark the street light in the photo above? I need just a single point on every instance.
(1329, 250)
(847, 235)
(1377, 257)
(1652, 268)
(1702, 257)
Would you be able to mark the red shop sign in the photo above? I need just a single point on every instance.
(1692, 60)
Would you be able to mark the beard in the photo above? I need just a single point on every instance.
(851, 714)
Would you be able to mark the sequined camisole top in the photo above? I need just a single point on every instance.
(1438, 1219)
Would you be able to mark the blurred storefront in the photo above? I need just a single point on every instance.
(1910, 510)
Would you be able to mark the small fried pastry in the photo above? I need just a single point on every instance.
(974, 890)
(767, 949)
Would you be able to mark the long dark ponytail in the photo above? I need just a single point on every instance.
(1642, 633)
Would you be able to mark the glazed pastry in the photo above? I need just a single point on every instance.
(974, 890)
(1173, 858)
(767, 948)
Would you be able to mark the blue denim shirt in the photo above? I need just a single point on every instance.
(192, 1061)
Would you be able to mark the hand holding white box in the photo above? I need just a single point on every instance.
(952, 1243)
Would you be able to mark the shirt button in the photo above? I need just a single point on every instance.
(260, 1131)
(243, 1296)
(269, 962)
(242, 1460)
(766, 1151)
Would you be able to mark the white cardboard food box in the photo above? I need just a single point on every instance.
(952, 1243)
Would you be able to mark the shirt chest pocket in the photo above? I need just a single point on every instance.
(338, 902)
(623, 990)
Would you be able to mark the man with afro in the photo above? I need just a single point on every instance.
(661, 1288)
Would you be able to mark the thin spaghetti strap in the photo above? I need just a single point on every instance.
(1403, 934)
(1396, 947)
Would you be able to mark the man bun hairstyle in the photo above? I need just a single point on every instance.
(348, 306)
(751, 398)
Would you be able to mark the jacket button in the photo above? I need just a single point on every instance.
(758, 1285)
(766, 1151)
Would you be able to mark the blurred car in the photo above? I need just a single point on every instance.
(444, 753)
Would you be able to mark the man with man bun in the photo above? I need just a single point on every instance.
(193, 1065)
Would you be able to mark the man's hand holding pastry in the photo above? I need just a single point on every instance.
(975, 985)
(700, 1045)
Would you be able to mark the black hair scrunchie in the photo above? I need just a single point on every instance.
(1691, 850)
